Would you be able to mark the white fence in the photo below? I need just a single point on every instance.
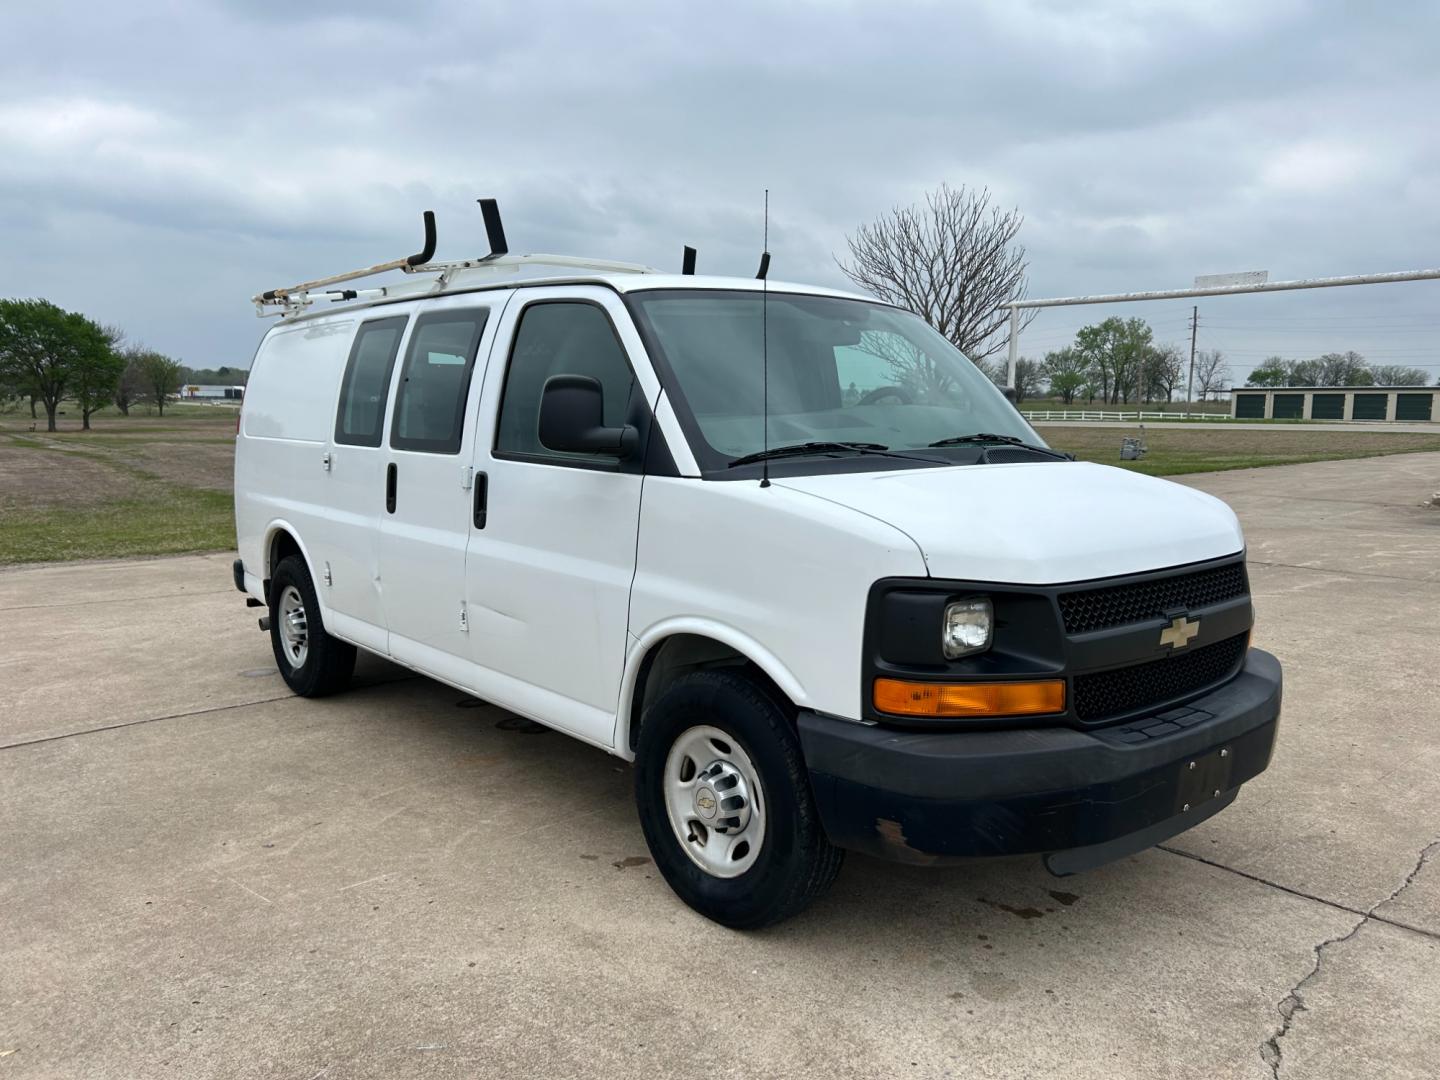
(1118, 416)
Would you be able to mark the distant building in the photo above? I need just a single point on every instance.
(1404, 404)
(193, 392)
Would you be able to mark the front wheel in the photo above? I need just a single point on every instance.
(725, 802)
(311, 662)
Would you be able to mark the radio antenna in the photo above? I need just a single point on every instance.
(765, 348)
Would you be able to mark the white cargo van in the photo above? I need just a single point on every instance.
(783, 547)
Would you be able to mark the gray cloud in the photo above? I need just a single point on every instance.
(158, 165)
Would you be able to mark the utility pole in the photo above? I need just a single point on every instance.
(1190, 385)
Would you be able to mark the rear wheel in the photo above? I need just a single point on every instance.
(725, 802)
(311, 662)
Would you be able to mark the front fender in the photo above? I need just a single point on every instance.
(732, 638)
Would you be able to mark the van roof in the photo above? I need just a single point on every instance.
(423, 285)
(501, 270)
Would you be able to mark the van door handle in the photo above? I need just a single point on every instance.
(390, 476)
(482, 496)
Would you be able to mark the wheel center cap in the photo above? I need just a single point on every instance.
(706, 803)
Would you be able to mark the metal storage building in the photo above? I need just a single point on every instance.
(1407, 404)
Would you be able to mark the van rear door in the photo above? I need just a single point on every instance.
(425, 521)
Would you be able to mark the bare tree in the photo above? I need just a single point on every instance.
(953, 261)
(1164, 369)
(1212, 372)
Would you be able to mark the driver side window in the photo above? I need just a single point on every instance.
(881, 360)
(859, 372)
(559, 337)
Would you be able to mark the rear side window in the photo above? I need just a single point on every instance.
(367, 382)
(559, 338)
(430, 405)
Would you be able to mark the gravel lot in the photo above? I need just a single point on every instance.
(206, 877)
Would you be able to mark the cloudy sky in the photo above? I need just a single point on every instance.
(161, 162)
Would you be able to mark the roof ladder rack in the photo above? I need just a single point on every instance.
(296, 297)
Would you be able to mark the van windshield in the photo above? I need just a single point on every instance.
(840, 371)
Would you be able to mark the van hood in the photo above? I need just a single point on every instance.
(1043, 523)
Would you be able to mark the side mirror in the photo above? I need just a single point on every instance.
(572, 419)
(1009, 392)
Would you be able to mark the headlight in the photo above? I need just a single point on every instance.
(968, 627)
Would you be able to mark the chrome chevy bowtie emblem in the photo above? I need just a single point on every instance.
(1178, 634)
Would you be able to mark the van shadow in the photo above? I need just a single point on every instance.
(484, 757)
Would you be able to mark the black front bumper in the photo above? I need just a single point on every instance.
(922, 797)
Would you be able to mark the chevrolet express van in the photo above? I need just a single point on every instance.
(785, 548)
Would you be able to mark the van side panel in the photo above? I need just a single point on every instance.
(294, 382)
(285, 427)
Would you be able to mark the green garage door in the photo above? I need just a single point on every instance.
(1288, 407)
(1370, 406)
(1327, 407)
(1250, 406)
(1413, 406)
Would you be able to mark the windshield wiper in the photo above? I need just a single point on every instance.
(801, 449)
(986, 437)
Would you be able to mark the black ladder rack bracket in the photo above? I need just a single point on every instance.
(764, 266)
(687, 264)
(494, 229)
(286, 296)
(425, 254)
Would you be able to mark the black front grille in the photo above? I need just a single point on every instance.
(1118, 605)
(1104, 694)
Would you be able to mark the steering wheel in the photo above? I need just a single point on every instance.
(880, 393)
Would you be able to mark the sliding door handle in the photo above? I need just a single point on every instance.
(390, 477)
(482, 497)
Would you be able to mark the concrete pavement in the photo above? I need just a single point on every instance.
(207, 877)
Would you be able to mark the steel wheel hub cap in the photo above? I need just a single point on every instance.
(722, 799)
(293, 625)
(714, 801)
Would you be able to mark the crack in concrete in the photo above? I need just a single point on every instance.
(1342, 573)
(1301, 893)
(1294, 1002)
(182, 715)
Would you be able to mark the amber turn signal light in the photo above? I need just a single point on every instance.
(900, 697)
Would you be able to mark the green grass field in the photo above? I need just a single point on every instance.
(136, 485)
(147, 485)
(1174, 452)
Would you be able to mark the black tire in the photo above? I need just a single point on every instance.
(796, 861)
(328, 662)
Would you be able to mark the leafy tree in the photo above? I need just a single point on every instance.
(1067, 371)
(98, 365)
(131, 387)
(1398, 375)
(1332, 369)
(1272, 371)
(1212, 372)
(1117, 348)
(159, 375)
(38, 351)
(954, 260)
